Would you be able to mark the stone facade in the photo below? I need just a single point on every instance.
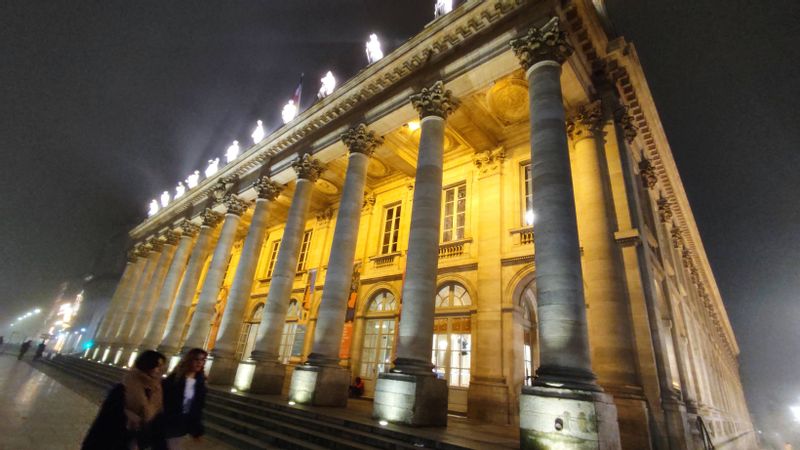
(661, 353)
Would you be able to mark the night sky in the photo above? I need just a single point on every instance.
(103, 105)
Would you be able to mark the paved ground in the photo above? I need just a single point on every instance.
(44, 409)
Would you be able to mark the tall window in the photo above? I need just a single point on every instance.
(391, 229)
(379, 330)
(527, 197)
(289, 331)
(273, 256)
(454, 214)
(247, 338)
(301, 260)
(452, 336)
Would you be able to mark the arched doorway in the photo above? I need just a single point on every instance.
(247, 337)
(289, 335)
(452, 342)
(379, 336)
(530, 332)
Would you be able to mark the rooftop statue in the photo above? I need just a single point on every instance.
(213, 167)
(180, 189)
(442, 7)
(232, 152)
(258, 133)
(328, 84)
(193, 179)
(164, 199)
(289, 112)
(153, 208)
(374, 51)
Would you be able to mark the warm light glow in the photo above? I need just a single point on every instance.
(153, 208)
(529, 217)
(374, 51)
(232, 152)
(180, 189)
(442, 7)
(164, 199)
(413, 126)
(289, 112)
(258, 133)
(193, 179)
(37, 310)
(213, 167)
(234, 390)
(292, 403)
(328, 85)
(383, 423)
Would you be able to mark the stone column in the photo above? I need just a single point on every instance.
(269, 372)
(123, 287)
(125, 298)
(204, 310)
(223, 371)
(121, 340)
(171, 342)
(322, 381)
(564, 388)
(158, 319)
(151, 295)
(411, 394)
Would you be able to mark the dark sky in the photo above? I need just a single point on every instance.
(105, 104)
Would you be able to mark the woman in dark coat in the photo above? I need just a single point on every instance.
(129, 418)
(184, 398)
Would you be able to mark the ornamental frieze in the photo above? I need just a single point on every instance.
(267, 189)
(677, 236)
(625, 121)
(434, 101)
(547, 43)
(359, 139)
(648, 173)
(308, 168)
(664, 210)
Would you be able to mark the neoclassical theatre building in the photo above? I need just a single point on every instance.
(487, 221)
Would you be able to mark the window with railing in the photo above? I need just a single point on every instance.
(391, 229)
(454, 212)
(301, 259)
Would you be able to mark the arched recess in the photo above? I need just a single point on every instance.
(378, 338)
(523, 294)
(290, 334)
(247, 336)
(452, 340)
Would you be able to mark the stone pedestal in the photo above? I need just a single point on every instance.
(320, 385)
(553, 418)
(224, 372)
(487, 401)
(415, 400)
(268, 378)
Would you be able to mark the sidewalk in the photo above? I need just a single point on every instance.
(44, 409)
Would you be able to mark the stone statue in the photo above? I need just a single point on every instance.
(374, 51)
(164, 199)
(289, 112)
(193, 179)
(153, 208)
(180, 189)
(328, 84)
(232, 152)
(442, 7)
(213, 167)
(258, 133)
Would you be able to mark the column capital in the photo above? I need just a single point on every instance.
(234, 205)
(210, 218)
(143, 250)
(361, 140)
(547, 43)
(171, 237)
(222, 188)
(308, 168)
(625, 121)
(586, 122)
(648, 173)
(434, 101)
(132, 255)
(267, 189)
(188, 228)
(156, 244)
(664, 210)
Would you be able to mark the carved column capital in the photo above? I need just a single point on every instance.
(434, 101)
(587, 122)
(664, 210)
(143, 251)
(235, 205)
(171, 237)
(625, 121)
(132, 255)
(210, 218)
(308, 168)
(359, 139)
(155, 244)
(267, 189)
(189, 229)
(648, 173)
(547, 43)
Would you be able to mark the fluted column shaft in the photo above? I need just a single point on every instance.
(602, 260)
(239, 294)
(101, 337)
(415, 334)
(170, 344)
(283, 274)
(166, 297)
(333, 306)
(563, 338)
(204, 310)
(148, 302)
(129, 316)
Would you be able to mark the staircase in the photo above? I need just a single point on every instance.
(250, 422)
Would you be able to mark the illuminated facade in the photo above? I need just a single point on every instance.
(423, 185)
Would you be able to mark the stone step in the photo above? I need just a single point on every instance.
(237, 440)
(262, 434)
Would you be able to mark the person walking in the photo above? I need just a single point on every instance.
(24, 348)
(130, 418)
(184, 399)
(39, 351)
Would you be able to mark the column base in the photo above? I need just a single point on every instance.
(416, 400)
(320, 385)
(95, 353)
(679, 432)
(567, 418)
(268, 378)
(223, 371)
(487, 401)
(127, 357)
